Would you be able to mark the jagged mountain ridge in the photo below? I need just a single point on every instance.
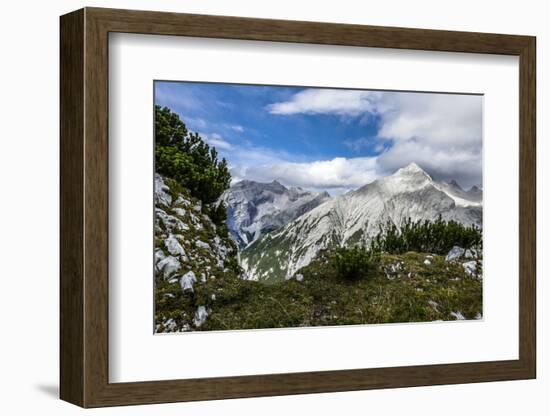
(355, 217)
(255, 208)
(472, 197)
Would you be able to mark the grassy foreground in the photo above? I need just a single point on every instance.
(409, 287)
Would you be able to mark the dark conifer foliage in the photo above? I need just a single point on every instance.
(436, 237)
(185, 157)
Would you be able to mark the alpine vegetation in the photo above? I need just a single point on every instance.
(267, 214)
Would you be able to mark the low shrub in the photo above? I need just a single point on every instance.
(436, 237)
(355, 263)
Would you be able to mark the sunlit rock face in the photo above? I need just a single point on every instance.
(255, 208)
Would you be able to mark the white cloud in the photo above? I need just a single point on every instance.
(462, 165)
(357, 144)
(441, 132)
(361, 143)
(336, 176)
(247, 154)
(436, 119)
(326, 101)
(195, 123)
(235, 127)
(216, 140)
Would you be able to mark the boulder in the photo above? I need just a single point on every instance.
(159, 255)
(202, 244)
(179, 211)
(173, 246)
(187, 280)
(458, 316)
(168, 265)
(200, 316)
(161, 191)
(169, 221)
(455, 253)
(470, 267)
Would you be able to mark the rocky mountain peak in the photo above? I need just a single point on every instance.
(411, 169)
(475, 189)
(255, 208)
(455, 184)
(407, 179)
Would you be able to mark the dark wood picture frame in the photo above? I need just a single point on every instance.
(84, 207)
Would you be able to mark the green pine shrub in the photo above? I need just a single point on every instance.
(185, 157)
(355, 263)
(218, 215)
(436, 237)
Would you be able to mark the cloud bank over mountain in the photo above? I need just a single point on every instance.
(333, 140)
(441, 132)
(335, 176)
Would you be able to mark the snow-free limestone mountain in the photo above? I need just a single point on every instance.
(255, 208)
(356, 217)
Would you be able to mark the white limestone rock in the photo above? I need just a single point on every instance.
(455, 253)
(179, 211)
(169, 265)
(200, 316)
(187, 281)
(173, 246)
(161, 194)
(170, 222)
(159, 255)
(458, 316)
(470, 267)
(202, 244)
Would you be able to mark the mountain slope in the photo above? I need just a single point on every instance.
(192, 259)
(255, 208)
(356, 217)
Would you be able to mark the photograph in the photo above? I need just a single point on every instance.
(282, 206)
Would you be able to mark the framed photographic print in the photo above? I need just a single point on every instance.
(255, 207)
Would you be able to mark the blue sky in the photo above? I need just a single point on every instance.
(327, 139)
